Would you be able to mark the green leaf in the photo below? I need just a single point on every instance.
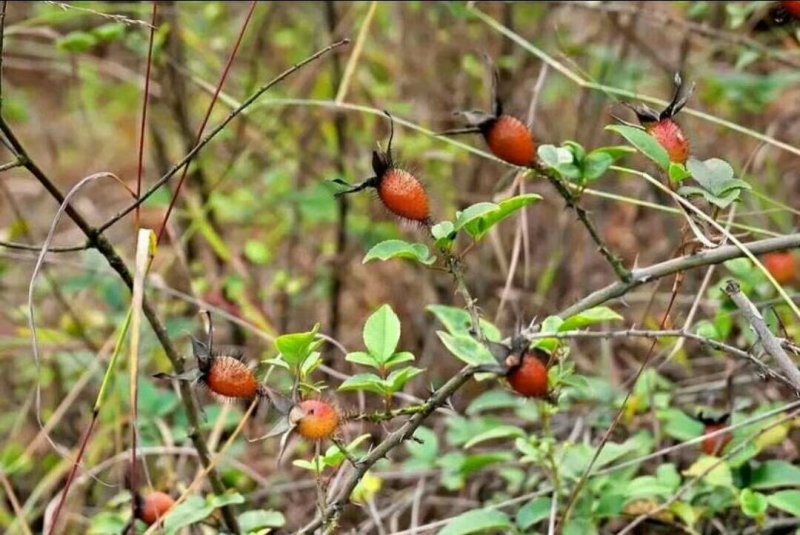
(397, 379)
(786, 500)
(553, 156)
(334, 456)
(579, 153)
(481, 221)
(615, 151)
(713, 471)
(257, 252)
(478, 521)
(260, 519)
(680, 425)
(382, 333)
(596, 164)
(589, 317)
(493, 400)
(711, 173)
(77, 42)
(107, 33)
(295, 348)
(457, 321)
(443, 231)
(533, 512)
(753, 504)
(677, 172)
(195, 509)
(501, 431)
(646, 487)
(473, 212)
(399, 358)
(363, 358)
(388, 249)
(368, 382)
(775, 473)
(644, 142)
(466, 349)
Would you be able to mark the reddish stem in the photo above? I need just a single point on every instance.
(145, 101)
(205, 120)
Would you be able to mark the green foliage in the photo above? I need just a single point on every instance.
(479, 218)
(333, 456)
(478, 521)
(196, 509)
(573, 164)
(717, 184)
(644, 143)
(389, 249)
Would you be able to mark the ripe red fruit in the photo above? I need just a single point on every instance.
(781, 266)
(229, 377)
(153, 507)
(714, 445)
(400, 191)
(661, 125)
(315, 419)
(529, 377)
(508, 138)
(793, 7)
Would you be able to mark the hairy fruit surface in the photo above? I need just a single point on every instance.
(230, 377)
(510, 140)
(315, 419)
(670, 136)
(403, 195)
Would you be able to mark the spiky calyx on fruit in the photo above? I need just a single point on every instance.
(400, 191)
(781, 265)
(663, 127)
(315, 419)
(153, 507)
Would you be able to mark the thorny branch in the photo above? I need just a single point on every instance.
(96, 240)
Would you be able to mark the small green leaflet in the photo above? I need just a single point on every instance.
(644, 142)
(389, 249)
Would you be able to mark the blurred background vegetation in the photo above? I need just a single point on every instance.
(258, 238)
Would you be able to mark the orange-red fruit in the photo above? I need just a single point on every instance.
(404, 195)
(781, 266)
(714, 445)
(318, 420)
(670, 136)
(793, 7)
(231, 378)
(154, 507)
(511, 141)
(530, 378)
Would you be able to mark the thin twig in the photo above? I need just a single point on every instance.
(770, 344)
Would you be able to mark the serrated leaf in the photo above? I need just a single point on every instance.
(589, 317)
(478, 226)
(466, 349)
(644, 142)
(501, 431)
(458, 321)
(382, 333)
(389, 249)
(478, 521)
(363, 358)
(786, 500)
(367, 382)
